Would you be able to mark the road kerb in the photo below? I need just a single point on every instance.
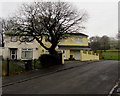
(20, 81)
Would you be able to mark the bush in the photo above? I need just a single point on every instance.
(48, 60)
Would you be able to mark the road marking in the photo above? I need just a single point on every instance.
(111, 91)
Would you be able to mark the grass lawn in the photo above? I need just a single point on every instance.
(111, 55)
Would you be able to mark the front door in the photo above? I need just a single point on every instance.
(13, 53)
(77, 55)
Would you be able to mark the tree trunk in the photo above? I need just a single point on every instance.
(53, 52)
(2, 41)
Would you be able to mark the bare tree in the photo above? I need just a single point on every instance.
(51, 19)
(1, 33)
(5, 25)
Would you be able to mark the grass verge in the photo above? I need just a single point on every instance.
(111, 55)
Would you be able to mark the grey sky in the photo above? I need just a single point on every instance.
(103, 16)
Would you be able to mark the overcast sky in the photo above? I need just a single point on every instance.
(103, 15)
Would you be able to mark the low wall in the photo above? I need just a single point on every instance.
(88, 55)
(68, 54)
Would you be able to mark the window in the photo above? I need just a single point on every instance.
(27, 53)
(13, 53)
(78, 40)
(14, 39)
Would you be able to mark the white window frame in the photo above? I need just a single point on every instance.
(14, 39)
(26, 50)
(13, 54)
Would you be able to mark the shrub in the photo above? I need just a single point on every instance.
(48, 60)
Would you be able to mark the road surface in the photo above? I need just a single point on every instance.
(93, 78)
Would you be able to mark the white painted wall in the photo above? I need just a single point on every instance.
(8, 44)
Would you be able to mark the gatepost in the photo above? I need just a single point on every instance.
(61, 57)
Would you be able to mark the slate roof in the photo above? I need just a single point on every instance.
(80, 34)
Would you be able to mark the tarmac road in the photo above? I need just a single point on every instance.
(93, 78)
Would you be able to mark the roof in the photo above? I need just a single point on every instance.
(78, 34)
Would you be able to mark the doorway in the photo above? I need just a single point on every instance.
(13, 53)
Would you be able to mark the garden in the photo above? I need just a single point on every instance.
(16, 67)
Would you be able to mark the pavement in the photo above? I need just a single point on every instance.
(10, 80)
(97, 77)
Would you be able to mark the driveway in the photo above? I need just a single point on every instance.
(93, 78)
